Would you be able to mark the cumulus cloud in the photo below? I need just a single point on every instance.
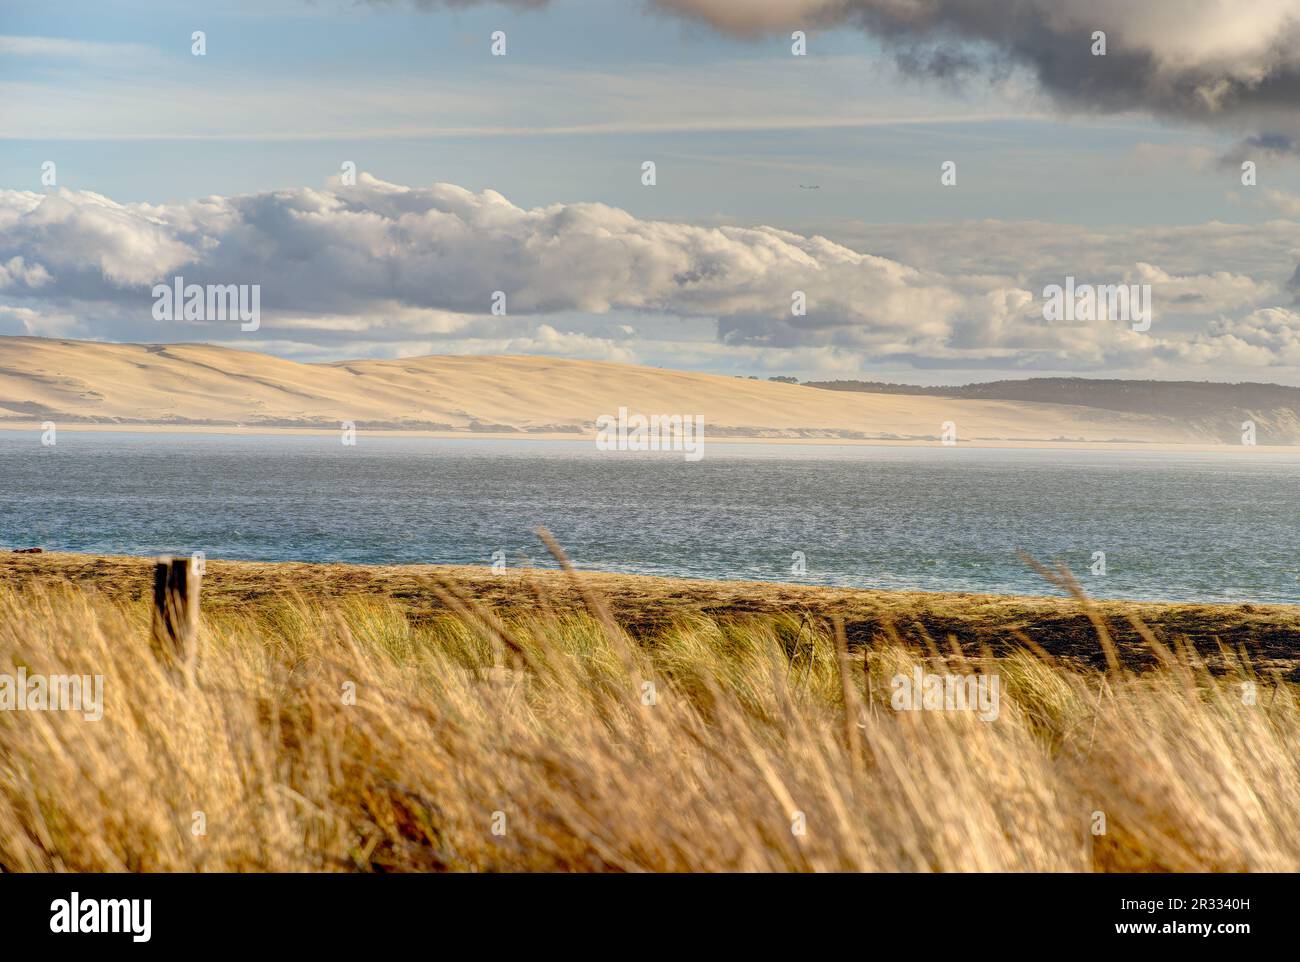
(16, 274)
(379, 263)
(1268, 336)
(430, 258)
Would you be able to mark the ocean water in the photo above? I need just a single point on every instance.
(1212, 527)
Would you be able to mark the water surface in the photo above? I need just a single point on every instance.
(1212, 527)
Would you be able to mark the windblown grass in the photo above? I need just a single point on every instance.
(699, 747)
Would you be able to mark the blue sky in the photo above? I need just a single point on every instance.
(141, 119)
(738, 128)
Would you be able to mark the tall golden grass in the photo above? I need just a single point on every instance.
(558, 743)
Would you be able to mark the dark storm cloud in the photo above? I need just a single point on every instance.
(1233, 64)
(1230, 64)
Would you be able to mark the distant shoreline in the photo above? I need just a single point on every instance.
(650, 602)
(362, 431)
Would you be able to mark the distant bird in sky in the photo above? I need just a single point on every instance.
(810, 186)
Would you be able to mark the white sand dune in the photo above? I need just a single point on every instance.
(193, 385)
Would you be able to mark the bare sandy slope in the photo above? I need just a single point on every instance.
(80, 382)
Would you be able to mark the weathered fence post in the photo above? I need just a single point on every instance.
(175, 607)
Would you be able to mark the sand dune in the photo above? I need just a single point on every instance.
(193, 385)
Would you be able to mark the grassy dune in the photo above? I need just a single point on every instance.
(537, 722)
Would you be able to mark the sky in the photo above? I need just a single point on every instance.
(774, 173)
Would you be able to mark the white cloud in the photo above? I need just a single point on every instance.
(1267, 336)
(17, 274)
(1212, 293)
(351, 268)
(65, 49)
(1286, 202)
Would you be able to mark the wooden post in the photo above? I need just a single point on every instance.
(175, 608)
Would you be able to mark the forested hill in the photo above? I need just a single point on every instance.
(1180, 399)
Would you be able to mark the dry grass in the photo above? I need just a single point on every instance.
(537, 724)
(647, 606)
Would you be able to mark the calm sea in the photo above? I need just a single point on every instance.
(1223, 527)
